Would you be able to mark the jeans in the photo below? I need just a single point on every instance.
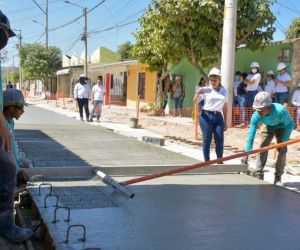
(7, 180)
(178, 102)
(282, 97)
(212, 124)
(96, 104)
(83, 103)
(242, 100)
(266, 138)
(250, 97)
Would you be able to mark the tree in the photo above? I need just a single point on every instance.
(15, 76)
(125, 51)
(39, 62)
(293, 30)
(193, 29)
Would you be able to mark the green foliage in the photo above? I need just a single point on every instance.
(39, 62)
(175, 29)
(293, 30)
(125, 51)
(15, 76)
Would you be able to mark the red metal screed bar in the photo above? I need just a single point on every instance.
(202, 164)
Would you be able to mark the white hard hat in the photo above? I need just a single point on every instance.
(254, 65)
(270, 72)
(82, 76)
(262, 100)
(214, 72)
(281, 66)
(178, 78)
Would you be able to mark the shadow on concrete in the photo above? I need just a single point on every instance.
(44, 151)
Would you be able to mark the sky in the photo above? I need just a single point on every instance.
(108, 15)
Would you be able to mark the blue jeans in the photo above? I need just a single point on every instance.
(282, 97)
(212, 124)
(242, 100)
(178, 102)
(95, 105)
(250, 97)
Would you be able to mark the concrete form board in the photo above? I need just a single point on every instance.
(195, 212)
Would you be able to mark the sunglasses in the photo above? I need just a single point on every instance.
(269, 75)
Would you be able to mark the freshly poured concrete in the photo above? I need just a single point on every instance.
(176, 212)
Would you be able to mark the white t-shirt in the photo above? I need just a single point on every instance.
(270, 87)
(98, 92)
(253, 86)
(296, 98)
(280, 87)
(213, 100)
(82, 90)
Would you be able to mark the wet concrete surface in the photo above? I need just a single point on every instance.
(194, 212)
(54, 140)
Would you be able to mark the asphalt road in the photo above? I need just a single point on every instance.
(54, 140)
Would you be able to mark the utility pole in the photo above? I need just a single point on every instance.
(46, 27)
(228, 52)
(85, 43)
(20, 64)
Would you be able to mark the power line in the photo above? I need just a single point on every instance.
(114, 27)
(39, 6)
(287, 7)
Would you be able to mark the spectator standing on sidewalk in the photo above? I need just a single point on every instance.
(213, 117)
(252, 82)
(82, 94)
(97, 98)
(296, 102)
(9, 85)
(242, 99)
(198, 99)
(270, 85)
(278, 123)
(283, 83)
(179, 94)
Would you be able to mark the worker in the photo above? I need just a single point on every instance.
(213, 116)
(283, 82)
(13, 107)
(278, 123)
(82, 94)
(252, 81)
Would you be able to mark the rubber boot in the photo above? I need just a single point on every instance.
(10, 231)
(277, 181)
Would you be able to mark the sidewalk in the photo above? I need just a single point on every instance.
(178, 133)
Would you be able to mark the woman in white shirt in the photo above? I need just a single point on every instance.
(283, 82)
(296, 102)
(252, 82)
(213, 117)
(270, 86)
(97, 97)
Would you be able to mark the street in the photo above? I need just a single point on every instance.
(53, 140)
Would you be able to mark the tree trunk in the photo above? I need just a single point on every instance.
(161, 91)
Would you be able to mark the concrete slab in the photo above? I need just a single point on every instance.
(194, 212)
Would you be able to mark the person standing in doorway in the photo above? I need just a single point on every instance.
(97, 97)
(283, 83)
(82, 93)
(179, 94)
(252, 82)
(213, 116)
(278, 123)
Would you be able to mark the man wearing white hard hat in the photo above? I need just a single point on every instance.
(252, 82)
(296, 103)
(283, 83)
(278, 123)
(212, 119)
(82, 94)
(270, 84)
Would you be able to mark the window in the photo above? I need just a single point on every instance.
(141, 85)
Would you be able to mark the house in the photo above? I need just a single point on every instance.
(124, 81)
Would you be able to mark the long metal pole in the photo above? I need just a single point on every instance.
(20, 64)
(228, 52)
(85, 43)
(46, 27)
(207, 163)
